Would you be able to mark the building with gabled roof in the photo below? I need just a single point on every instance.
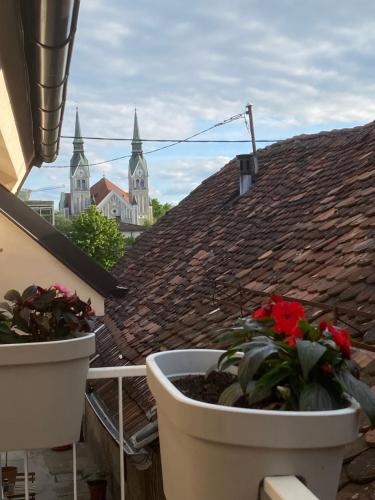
(305, 229)
(131, 208)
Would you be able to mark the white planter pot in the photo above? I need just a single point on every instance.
(42, 387)
(212, 452)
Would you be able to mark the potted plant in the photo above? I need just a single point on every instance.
(45, 345)
(277, 401)
(97, 484)
(9, 477)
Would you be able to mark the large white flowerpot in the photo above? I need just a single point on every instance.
(42, 387)
(212, 452)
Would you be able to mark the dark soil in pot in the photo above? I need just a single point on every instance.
(204, 389)
(208, 389)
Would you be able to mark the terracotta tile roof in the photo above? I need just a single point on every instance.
(127, 226)
(101, 188)
(305, 229)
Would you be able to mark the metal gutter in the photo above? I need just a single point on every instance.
(49, 29)
(139, 456)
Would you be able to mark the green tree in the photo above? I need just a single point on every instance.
(159, 209)
(98, 236)
(63, 224)
(129, 241)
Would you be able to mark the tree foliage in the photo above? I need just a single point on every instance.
(63, 224)
(159, 209)
(98, 236)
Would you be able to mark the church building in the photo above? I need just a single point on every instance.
(133, 207)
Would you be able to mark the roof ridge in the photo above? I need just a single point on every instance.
(322, 133)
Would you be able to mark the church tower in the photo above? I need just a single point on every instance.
(138, 180)
(80, 198)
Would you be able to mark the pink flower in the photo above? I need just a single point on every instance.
(62, 289)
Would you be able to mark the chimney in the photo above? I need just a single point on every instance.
(248, 162)
(246, 170)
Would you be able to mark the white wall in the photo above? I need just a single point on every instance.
(24, 262)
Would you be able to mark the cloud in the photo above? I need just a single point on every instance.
(305, 66)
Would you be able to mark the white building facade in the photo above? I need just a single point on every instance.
(133, 207)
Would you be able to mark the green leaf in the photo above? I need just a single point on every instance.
(29, 292)
(309, 353)
(360, 391)
(273, 377)
(43, 322)
(12, 296)
(45, 299)
(353, 367)
(314, 397)
(226, 355)
(233, 360)
(252, 360)
(5, 328)
(260, 326)
(5, 338)
(6, 307)
(233, 337)
(70, 318)
(231, 394)
(255, 394)
(25, 313)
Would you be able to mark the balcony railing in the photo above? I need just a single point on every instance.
(274, 488)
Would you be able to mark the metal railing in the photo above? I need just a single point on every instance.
(274, 488)
(119, 372)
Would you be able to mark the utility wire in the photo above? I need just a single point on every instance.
(91, 138)
(224, 122)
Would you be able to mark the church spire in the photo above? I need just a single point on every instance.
(78, 141)
(136, 142)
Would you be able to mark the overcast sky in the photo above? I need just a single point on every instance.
(305, 66)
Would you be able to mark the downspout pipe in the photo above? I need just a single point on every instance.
(49, 29)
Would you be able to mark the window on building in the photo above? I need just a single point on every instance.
(83, 184)
(78, 183)
(142, 183)
(137, 183)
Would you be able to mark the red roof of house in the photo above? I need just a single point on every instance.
(305, 229)
(101, 188)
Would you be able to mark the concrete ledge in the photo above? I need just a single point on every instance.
(285, 488)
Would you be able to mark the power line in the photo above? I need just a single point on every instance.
(219, 124)
(93, 138)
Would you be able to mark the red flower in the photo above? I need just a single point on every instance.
(323, 325)
(286, 316)
(262, 312)
(341, 338)
(327, 368)
(290, 341)
(276, 298)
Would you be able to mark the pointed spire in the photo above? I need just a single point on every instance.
(136, 142)
(77, 141)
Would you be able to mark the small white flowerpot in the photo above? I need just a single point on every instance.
(42, 387)
(214, 452)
